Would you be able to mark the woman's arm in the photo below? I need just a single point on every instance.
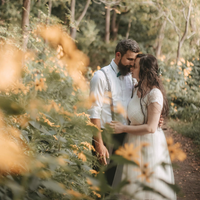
(153, 116)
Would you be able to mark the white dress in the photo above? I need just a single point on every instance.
(153, 154)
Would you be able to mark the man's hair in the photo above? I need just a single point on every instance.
(127, 44)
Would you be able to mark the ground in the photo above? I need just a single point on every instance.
(187, 173)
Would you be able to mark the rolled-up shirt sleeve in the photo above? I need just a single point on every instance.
(97, 91)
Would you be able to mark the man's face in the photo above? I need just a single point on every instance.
(126, 62)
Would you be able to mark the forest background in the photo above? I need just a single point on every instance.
(47, 105)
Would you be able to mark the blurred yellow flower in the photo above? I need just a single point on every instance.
(75, 61)
(179, 63)
(40, 85)
(75, 194)
(182, 60)
(92, 171)
(55, 137)
(12, 157)
(96, 194)
(82, 157)
(11, 65)
(175, 151)
(120, 110)
(52, 105)
(88, 145)
(129, 152)
(162, 58)
(145, 173)
(98, 67)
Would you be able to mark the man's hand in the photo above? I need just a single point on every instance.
(117, 127)
(102, 153)
(161, 121)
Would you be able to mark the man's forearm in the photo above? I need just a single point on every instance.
(98, 137)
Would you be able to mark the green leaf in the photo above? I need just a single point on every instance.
(39, 127)
(54, 186)
(10, 107)
(150, 189)
(174, 187)
(121, 160)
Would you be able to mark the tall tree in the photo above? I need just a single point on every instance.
(25, 22)
(49, 11)
(182, 31)
(75, 23)
(160, 38)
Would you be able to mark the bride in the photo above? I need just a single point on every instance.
(144, 110)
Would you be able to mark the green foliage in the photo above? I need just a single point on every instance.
(48, 110)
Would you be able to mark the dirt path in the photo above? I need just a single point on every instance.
(187, 173)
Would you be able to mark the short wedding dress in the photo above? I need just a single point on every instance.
(153, 155)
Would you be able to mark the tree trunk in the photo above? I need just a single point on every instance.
(3, 2)
(107, 33)
(39, 4)
(72, 29)
(129, 28)
(181, 40)
(49, 11)
(180, 43)
(75, 24)
(25, 22)
(114, 25)
(160, 38)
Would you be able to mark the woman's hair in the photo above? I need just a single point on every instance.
(149, 78)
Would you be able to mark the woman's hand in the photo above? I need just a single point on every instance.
(117, 127)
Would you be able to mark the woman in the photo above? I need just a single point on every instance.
(144, 110)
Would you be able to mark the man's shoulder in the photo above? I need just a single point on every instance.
(100, 74)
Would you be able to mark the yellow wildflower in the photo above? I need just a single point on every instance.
(74, 146)
(182, 60)
(97, 194)
(89, 182)
(98, 67)
(61, 161)
(145, 173)
(179, 63)
(55, 137)
(89, 123)
(74, 193)
(40, 85)
(52, 105)
(93, 171)
(88, 145)
(129, 152)
(175, 151)
(82, 157)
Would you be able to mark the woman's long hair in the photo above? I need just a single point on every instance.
(149, 78)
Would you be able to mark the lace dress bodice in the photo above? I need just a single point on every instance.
(135, 114)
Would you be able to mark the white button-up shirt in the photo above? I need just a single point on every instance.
(121, 89)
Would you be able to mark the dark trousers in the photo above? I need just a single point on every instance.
(117, 142)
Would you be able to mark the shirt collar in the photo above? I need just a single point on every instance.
(114, 65)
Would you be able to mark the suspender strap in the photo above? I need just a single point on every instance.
(110, 96)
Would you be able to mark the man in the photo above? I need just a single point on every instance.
(121, 83)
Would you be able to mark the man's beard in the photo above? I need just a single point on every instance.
(124, 69)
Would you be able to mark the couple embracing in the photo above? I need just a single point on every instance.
(134, 82)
